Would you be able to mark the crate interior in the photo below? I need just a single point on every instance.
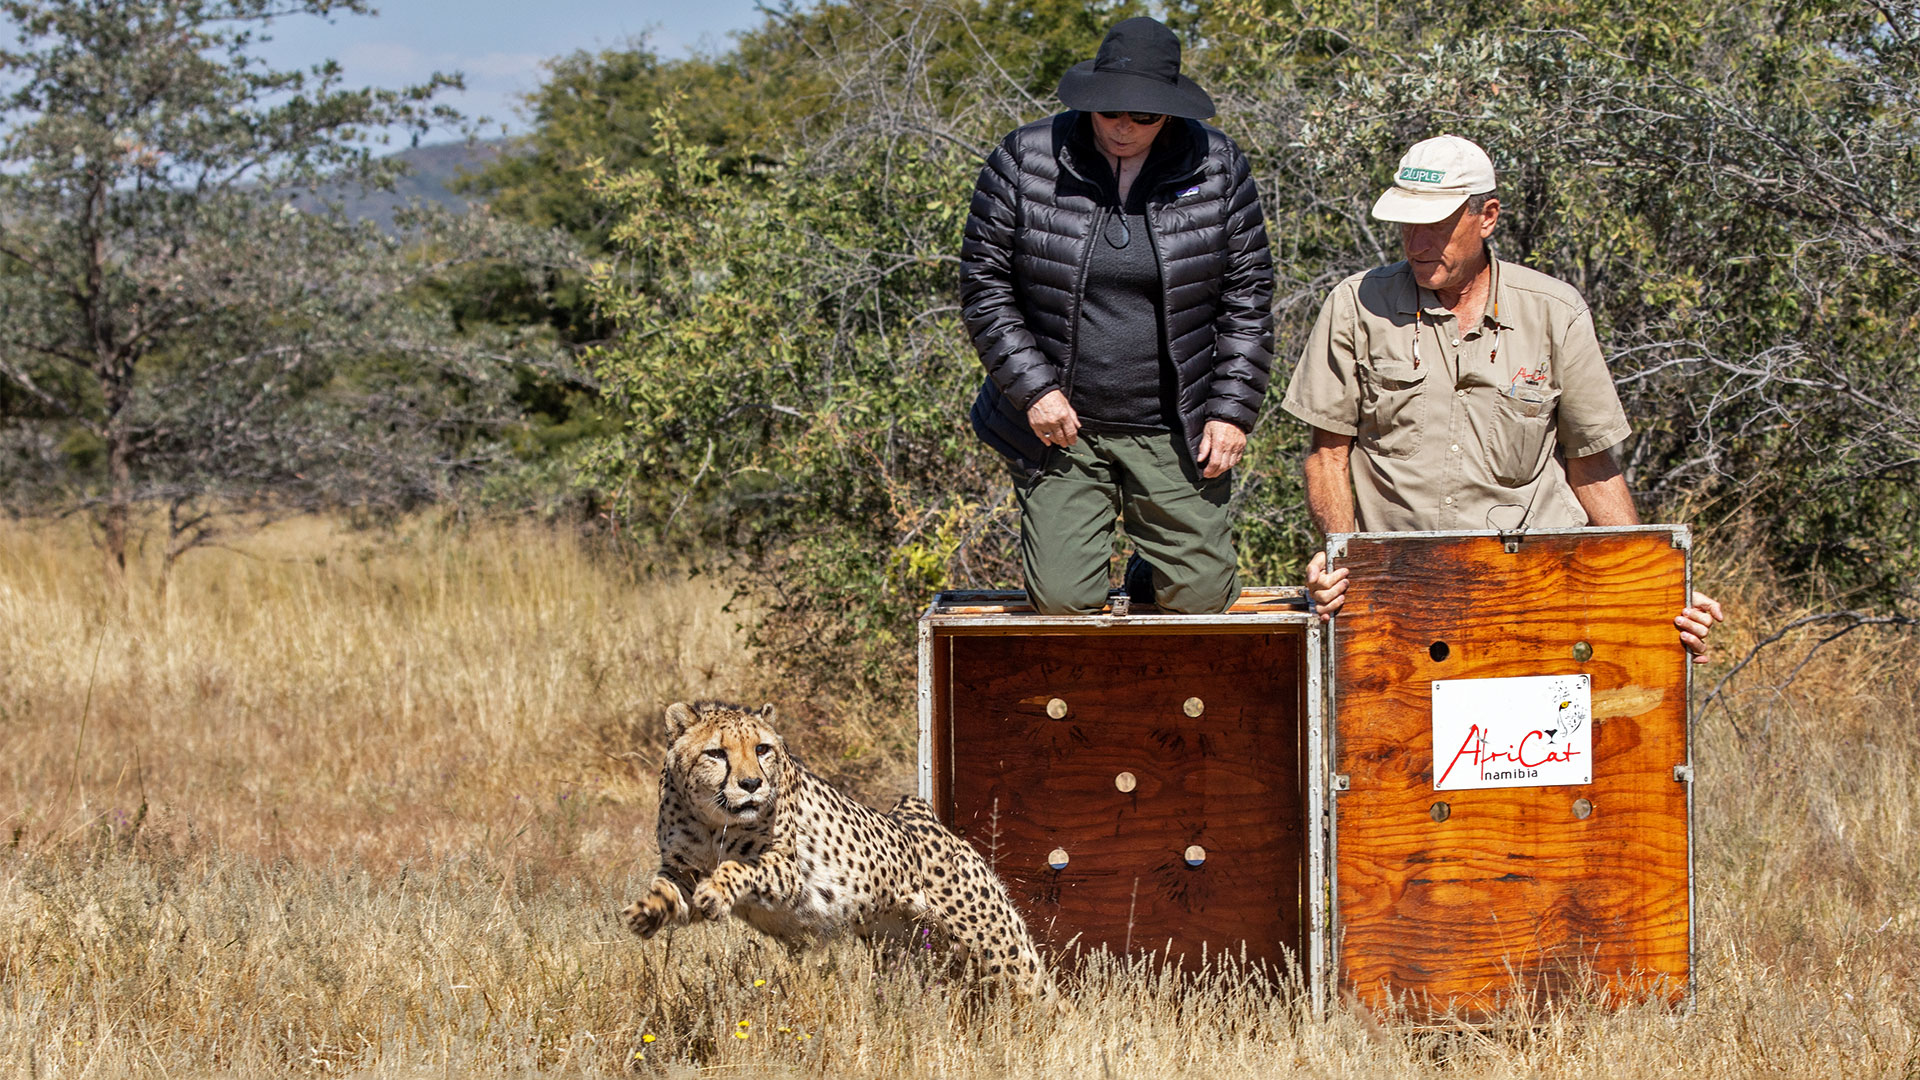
(1167, 769)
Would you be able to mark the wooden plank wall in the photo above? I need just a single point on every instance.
(1511, 893)
(1229, 780)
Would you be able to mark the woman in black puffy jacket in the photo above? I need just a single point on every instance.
(1116, 281)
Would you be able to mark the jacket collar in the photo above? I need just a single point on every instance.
(1177, 155)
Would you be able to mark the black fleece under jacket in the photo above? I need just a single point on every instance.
(1036, 211)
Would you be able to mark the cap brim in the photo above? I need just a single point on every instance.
(1397, 204)
(1088, 90)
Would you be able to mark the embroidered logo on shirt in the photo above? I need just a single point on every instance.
(1531, 379)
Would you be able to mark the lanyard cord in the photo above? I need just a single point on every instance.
(1419, 316)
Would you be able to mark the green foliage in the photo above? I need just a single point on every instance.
(787, 381)
(179, 329)
(1732, 188)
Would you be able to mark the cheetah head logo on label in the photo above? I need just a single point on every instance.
(1570, 706)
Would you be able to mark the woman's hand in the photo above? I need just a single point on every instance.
(1221, 446)
(1054, 420)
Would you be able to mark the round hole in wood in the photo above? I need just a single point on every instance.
(1057, 709)
(1440, 811)
(1195, 855)
(1057, 858)
(1583, 808)
(1439, 651)
(1125, 782)
(1193, 706)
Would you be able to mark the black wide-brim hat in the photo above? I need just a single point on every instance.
(1136, 70)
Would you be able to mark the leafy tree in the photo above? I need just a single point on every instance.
(1732, 188)
(177, 329)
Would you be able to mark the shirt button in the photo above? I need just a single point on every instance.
(1459, 393)
(1455, 448)
(1456, 341)
(1449, 500)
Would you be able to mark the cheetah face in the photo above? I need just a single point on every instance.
(730, 761)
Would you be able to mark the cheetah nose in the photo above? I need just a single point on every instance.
(750, 783)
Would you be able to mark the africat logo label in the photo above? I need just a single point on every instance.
(1532, 731)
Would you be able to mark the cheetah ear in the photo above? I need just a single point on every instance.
(679, 719)
(766, 712)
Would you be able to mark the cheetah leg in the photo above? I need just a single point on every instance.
(997, 944)
(664, 904)
(771, 876)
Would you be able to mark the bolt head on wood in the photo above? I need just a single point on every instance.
(1057, 709)
(1125, 782)
(1194, 707)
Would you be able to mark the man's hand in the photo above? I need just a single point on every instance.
(1694, 623)
(1221, 446)
(1329, 591)
(1054, 420)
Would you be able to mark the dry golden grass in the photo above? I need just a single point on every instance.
(388, 829)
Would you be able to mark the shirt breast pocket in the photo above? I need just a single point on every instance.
(1516, 435)
(1393, 408)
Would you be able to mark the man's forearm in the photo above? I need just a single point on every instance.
(1329, 487)
(1602, 490)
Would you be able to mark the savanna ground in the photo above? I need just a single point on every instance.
(369, 802)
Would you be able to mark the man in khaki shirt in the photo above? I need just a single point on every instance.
(1453, 391)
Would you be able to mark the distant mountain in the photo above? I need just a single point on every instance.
(431, 171)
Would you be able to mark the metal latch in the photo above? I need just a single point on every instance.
(1342, 782)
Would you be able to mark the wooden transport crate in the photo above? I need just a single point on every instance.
(1166, 783)
(1454, 901)
(1141, 782)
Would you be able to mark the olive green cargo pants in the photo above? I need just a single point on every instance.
(1176, 521)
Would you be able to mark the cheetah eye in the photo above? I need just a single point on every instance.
(718, 753)
(763, 749)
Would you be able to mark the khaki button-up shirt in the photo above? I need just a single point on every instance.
(1457, 428)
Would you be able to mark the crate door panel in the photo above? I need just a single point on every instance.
(1456, 899)
(1179, 831)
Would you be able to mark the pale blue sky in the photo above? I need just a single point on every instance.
(499, 46)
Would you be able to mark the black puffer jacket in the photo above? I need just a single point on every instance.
(1030, 230)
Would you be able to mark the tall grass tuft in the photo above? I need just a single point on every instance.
(340, 805)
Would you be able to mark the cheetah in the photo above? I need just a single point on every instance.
(746, 829)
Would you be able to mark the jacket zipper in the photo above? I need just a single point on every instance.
(1079, 297)
(1086, 261)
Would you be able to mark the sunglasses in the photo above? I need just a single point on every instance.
(1144, 119)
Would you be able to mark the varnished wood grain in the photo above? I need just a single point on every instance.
(1511, 893)
(1229, 781)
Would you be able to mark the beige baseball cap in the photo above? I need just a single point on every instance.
(1433, 180)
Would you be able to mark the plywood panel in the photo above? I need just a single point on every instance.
(1229, 780)
(1511, 893)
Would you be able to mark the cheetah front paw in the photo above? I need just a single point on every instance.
(711, 901)
(647, 916)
